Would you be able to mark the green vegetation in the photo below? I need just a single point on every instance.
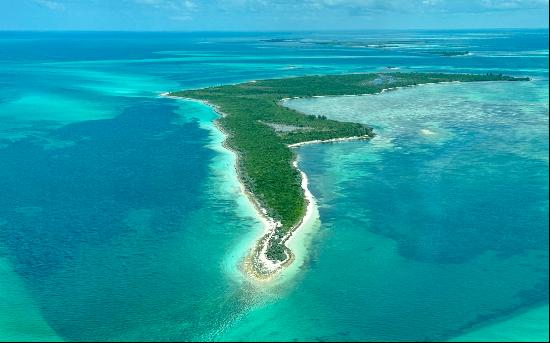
(260, 129)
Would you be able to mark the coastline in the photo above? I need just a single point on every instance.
(256, 264)
(383, 90)
(333, 140)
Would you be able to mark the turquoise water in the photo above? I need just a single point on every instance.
(453, 231)
(530, 326)
(121, 218)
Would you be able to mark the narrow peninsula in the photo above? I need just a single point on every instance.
(262, 133)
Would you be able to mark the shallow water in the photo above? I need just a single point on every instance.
(530, 326)
(121, 218)
(428, 236)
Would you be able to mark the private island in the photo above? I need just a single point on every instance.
(262, 133)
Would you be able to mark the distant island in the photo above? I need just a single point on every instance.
(448, 53)
(262, 133)
(375, 44)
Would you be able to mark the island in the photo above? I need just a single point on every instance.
(262, 132)
(448, 53)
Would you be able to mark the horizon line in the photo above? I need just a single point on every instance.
(269, 31)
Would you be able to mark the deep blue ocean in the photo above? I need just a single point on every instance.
(121, 218)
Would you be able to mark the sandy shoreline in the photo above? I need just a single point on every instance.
(333, 140)
(256, 264)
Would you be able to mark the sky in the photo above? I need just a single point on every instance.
(270, 15)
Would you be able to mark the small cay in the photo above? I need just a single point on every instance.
(262, 133)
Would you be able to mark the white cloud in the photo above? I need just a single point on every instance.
(180, 10)
(188, 5)
(50, 4)
(514, 4)
(173, 5)
(365, 6)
